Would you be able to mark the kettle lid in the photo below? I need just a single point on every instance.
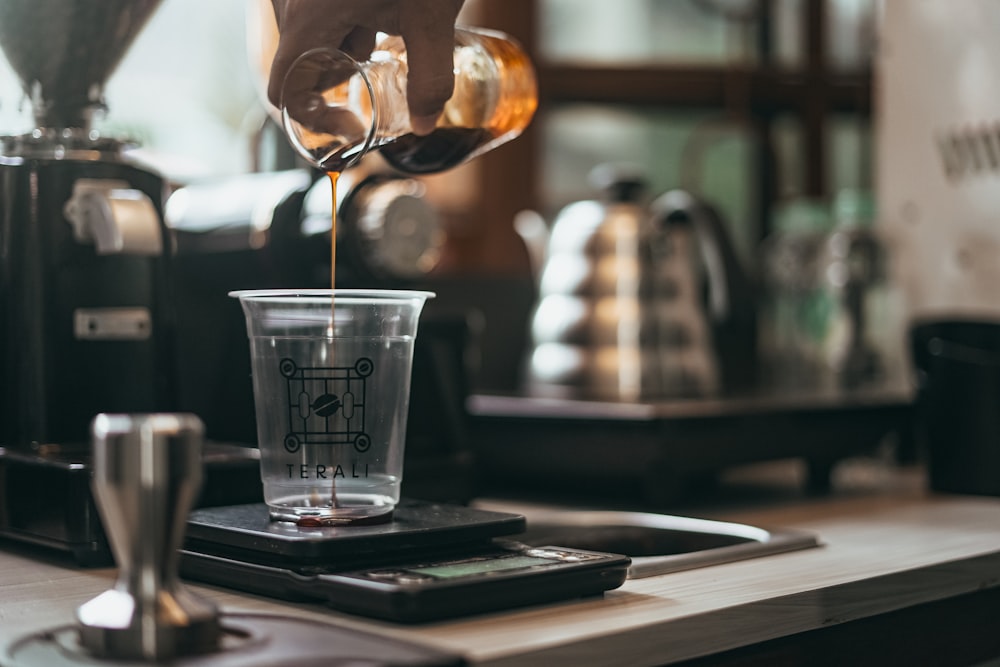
(618, 183)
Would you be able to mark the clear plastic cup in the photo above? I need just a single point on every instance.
(331, 381)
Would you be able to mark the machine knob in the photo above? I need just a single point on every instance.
(147, 472)
(117, 219)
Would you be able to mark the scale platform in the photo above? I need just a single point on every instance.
(246, 532)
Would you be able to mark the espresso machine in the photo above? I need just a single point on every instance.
(85, 322)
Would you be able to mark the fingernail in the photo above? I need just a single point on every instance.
(423, 124)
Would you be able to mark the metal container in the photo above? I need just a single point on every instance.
(621, 313)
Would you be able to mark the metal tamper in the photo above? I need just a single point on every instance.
(147, 473)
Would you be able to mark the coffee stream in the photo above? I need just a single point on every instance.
(442, 149)
(334, 177)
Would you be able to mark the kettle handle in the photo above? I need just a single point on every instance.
(534, 233)
(732, 295)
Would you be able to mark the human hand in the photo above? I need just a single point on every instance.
(426, 26)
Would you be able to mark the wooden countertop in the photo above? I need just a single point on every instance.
(881, 553)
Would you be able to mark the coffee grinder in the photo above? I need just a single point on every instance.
(85, 324)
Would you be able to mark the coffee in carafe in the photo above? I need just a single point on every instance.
(353, 107)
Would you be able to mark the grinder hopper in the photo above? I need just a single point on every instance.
(63, 51)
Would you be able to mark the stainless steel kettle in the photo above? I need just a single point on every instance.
(621, 312)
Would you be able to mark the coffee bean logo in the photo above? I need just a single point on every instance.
(326, 405)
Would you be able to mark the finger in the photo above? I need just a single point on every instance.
(428, 30)
(304, 26)
(359, 43)
(283, 80)
(313, 86)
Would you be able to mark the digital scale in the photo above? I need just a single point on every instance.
(430, 562)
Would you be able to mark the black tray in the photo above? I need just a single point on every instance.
(662, 450)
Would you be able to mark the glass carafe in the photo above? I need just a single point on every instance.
(335, 109)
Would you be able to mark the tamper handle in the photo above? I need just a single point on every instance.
(147, 473)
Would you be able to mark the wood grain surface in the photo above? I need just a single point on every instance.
(878, 555)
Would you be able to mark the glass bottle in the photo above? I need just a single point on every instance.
(335, 109)
(798, 306)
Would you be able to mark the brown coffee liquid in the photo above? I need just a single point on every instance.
(334, 177)
(478, 114)
(442, 149)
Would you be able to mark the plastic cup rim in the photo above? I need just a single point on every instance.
(323, 294)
